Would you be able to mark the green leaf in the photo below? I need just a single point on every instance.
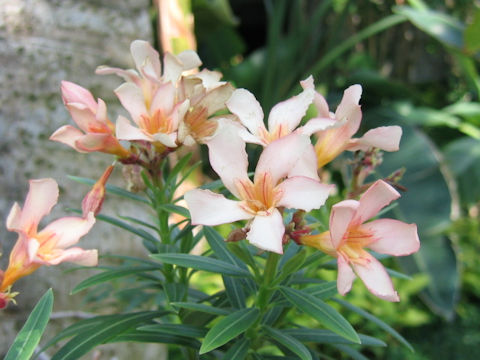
(151, 337)
(175, 291)
(228, 328)
(201, 263)
(179, 166)
(171, 208)
(428, 203)
(470, 36)
(354, 354)
(233, 287)
(103, 332)
(123, 225)
(442, 27)
(110, 275)
(376, 321)
(111, 189)
(289, 342)
(238, 351)
(201, 307)
(463, 158)
(292, 265)
(321, 336)
(29, 336)
(322, 312)
(176, 329)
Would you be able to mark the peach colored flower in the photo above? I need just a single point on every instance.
(50, 246)
(150, 95)
(335, 139)
(97, 133)
(260, 198)
(350, 234)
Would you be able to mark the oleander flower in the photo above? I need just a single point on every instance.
(333, 140)
(49, 246)
(97, 132)
(260, 199)
(283, 119)
(207, 96)
(350, 234)
(150, 95)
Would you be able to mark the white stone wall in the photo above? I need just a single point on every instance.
(41, 43)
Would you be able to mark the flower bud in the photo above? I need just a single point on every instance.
(93, 201)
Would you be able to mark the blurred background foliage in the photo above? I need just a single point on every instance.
(418, 66)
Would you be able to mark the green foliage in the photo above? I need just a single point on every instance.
(29, 336)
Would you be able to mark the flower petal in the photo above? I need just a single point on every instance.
(280, 156)
(131, 97)
(266, 232)
(68, 135)
(100, 142)
(73, 93)
(147, 59)
(394, 237)
(129, 75)
(68, 230)
(386, 138)
(376, 279)
(208, 208)
(41, 198)
(13, 219)
(290, 112)
(173, 68)
(243, 104)
(345, 276)
(126, 131)
(303, 193)
(379, 195)
(226, 151)
(164, 98)
(169, 140)
(349, 103)
(75, 255)
(315, 125)
(318, 100)
(189, 59)
(340, 218)
(306, 165)
(216, 99)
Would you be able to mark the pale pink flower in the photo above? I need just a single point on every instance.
(207, 95)
(283, 119)
(150, 95)
(335, 139)
(97, 132)
(50, 246)
(260, 198)
(350, 234)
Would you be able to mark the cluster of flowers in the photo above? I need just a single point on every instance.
(180, 106)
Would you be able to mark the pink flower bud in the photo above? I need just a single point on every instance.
(93, 201)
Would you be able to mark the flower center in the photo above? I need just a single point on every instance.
(199, 127)
(353, 243)
(276, 133)
(156, 123)
(260, 196)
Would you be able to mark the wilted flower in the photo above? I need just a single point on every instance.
(350, 234)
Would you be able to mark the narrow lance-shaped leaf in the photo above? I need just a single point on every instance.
(322, 312)
(29, 336)
(377, 321)
(289, 342)
(201, 263)
(228, 328)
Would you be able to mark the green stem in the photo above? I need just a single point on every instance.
(371, 30)
(265, 290)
